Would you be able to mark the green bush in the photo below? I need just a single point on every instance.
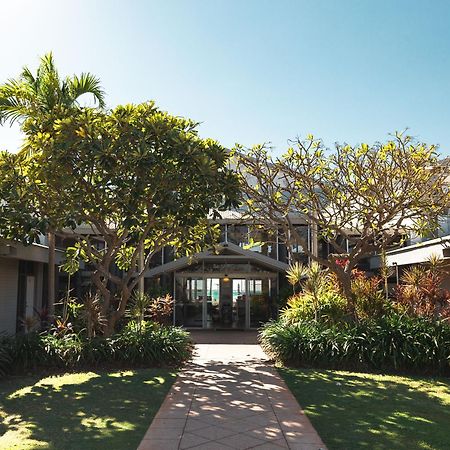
(331, 307)
(390, 343)
(152, 345)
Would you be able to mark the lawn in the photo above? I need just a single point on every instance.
(367, 411)
(89, 410)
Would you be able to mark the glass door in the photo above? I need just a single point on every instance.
(190, 294)
(212, 302)
(240, 302)
(260, 296)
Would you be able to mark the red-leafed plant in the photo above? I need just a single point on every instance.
(421, 294)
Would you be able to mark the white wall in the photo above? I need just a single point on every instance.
(9, 273)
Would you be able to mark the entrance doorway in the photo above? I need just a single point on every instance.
(225, 302)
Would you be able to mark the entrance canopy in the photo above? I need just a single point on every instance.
(227, 288)
(227, 252)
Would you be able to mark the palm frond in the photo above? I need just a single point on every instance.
(15, 100)
(28, 77)
(47, 65)
(42, 94)
(296, 272)
(87, 83)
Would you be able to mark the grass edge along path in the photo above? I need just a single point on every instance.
(84, 410)
(369, 411)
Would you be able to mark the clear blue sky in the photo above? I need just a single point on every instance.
(252, 70)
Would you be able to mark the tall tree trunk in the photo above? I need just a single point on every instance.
(141, 284)
(51, 274)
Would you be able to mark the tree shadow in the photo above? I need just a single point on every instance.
(357, 411)
(102, 410)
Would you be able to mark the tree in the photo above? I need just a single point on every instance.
(373, 196)
(137, 179)
(36, 101)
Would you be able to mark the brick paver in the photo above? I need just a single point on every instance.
(229, 396)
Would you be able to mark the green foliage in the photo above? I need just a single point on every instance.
(36, 99)
(320, 298)
(331, 308)
(92, 314)
(138, 309)
(391, 343)
(370, 194)
(138, 177)
(150, 345)
(143, 307)
(296, 273)
(5, 359)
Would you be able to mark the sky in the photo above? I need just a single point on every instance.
(252, 71)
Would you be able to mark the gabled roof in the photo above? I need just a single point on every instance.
(230, 248)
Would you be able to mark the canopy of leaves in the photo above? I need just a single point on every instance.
(377, 193)
(135, 176)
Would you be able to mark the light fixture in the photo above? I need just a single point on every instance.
(226, 279)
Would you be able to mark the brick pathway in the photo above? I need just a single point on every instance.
(229, 397)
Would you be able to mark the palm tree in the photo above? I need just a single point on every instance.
(44, 96)
(36, 101)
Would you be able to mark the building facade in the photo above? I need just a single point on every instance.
(236, 284)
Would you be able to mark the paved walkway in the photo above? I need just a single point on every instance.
(229, 397)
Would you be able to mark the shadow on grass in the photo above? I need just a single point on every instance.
(94, 410)
(365, 411)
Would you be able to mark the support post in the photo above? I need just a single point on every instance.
(51, 274)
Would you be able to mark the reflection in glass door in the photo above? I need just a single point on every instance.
(223, 302)
(212, 302)
(239, 302)
(226, 304)
(260, 300)
(189, 301)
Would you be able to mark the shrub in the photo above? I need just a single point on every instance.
(370, 300)
(151, 345)
(319, 300)
(420, 292)
(158, 309)
(155, 344)
(331, 308)
(390, 343)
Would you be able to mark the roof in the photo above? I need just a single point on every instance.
(414, 254)
(186, 261)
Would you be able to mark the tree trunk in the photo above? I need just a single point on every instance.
(51, 274)
(114, 316)
(105, 295)
(141, 283)
(110, 324)
(346, 284)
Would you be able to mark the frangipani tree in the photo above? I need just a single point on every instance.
(371, 195)
(136, 179)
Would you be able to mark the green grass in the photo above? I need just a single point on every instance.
(89, 410)
(367, 411)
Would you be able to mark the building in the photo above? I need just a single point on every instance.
(237, 284)
(418, 250)
(23, 281)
